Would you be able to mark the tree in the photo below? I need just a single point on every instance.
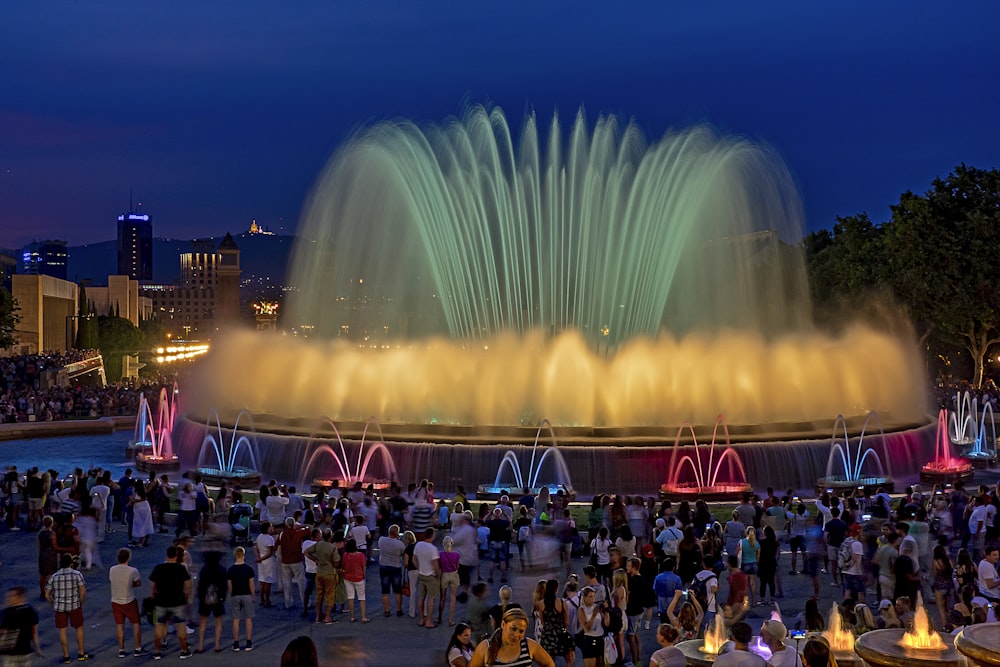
(118, 337)
(86, 332)
(154, 332)
(848, 262)
(9, 318)
(942, 249)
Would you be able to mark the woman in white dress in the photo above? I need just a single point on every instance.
(142, 517)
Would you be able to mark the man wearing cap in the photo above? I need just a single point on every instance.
(772, 635)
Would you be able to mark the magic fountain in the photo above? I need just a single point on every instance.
(615, 287)
(840, 639)
(703, 652)
(945, 469)
(854, 474)
(921, 647)
(344, 476)
(227, 454)
(158, 455)
(704, 481)
(524, 485)
(965, 431)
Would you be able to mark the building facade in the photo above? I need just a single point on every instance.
(135, 246)
(45, 258)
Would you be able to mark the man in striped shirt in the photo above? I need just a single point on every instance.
(67, 591)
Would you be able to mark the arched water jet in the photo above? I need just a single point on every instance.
(945, 468)
(227, 452)
(852, 473)
(962, 422)
(159, 456)
(705, 481)
(347, 476)
(529, 484)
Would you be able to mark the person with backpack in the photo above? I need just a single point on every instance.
(213, 584)
(849, 563)
(522, 535)
(704, 586)
(669, 538)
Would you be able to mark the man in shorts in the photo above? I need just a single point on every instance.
(634, 609)
(428, 577)
(124, 580)
(240, 578)
(171, 590)
(67, 591)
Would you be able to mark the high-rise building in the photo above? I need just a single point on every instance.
(135, 246)
(45, 258)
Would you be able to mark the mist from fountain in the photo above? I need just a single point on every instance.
(704, 480)
(348, 476)
(593, 279)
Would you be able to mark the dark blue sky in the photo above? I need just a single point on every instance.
(216, 113)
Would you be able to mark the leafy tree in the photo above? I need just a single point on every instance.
(9, 318)
(86, 332)
(942, 249)
(154, 332)
(118, 337)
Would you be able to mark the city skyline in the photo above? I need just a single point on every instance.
(215, 116)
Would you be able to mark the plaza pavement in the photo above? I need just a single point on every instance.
(383, 641)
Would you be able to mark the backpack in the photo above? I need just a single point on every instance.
(845, 555)
(699, 586)
(524, 534)
(670, 543)
(211, 595)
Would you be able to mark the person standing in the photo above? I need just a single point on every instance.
(327, 558)
(289, 545)
(212, 588)
(48, 557)
(18, 617)
(390, 569)
(264, 548)
(315, 535)
(240, 578)
(354, 562)
(428, 561)
(66, 592)
(171, 588)
(124, 580)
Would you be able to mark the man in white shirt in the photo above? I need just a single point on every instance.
(124, 580)
(772, 635)
(428, 561)
(977, 527)
(853, 577)
(99, 501)
(989, 580)
(275, 505)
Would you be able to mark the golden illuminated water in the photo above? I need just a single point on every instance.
(922, 636)
(840, 639)
(716, 637)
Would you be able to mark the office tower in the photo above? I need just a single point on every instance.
(45, 258)
(135, 246)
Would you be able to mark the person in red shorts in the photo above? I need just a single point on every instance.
(66, 592)
(124, 580)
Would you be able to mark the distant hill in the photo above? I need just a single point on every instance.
(262, 257)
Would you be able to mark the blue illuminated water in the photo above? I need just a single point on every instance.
(65, 453)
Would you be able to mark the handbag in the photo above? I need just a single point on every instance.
(610, 650)
(406, 587)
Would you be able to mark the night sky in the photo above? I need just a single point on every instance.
(216, 113)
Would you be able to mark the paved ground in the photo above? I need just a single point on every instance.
(384, 641)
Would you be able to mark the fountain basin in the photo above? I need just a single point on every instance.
(325, 484)
(694, 655)
(492, 492)
(245, 478)
(716, 492)
(980, 460)
(838, 484)
(942, 473)
(149, 462)
(883, 648)
(980, 644)
(133, 449)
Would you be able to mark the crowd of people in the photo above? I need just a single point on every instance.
(633, 571)
(29, 390)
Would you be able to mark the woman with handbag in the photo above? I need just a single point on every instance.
(554, 614)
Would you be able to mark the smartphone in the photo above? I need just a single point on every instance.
(798, 634)
(866, 517)
(708, 526)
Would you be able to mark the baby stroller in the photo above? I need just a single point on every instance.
(239, 519)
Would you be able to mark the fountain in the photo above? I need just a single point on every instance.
(703, 652)
(853, 461)
(944, 469)
(617, 287)
(965, 431)
(347, 477)
(705, 482)
(840, 639)
(922, 647)
(529, 485)
(140, 439)
(226, 454)
(159, 456)
(980, 644)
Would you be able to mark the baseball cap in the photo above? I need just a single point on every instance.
(884, 604)
(775, 629)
